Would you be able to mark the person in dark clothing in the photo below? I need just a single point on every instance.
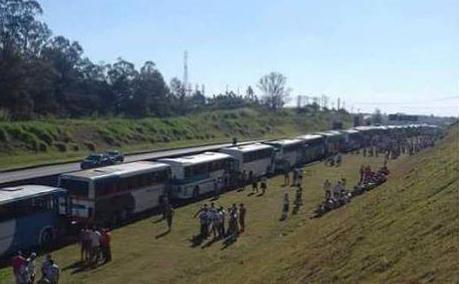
(203, 221)
(242, 214)
(169, 216)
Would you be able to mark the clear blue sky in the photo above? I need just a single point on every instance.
(403, 53)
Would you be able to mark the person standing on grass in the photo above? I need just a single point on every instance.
(84, 244)
(327, 188)
(203, 221)
(95, 237)
(169, 213)
(31, 268)
(221, 222)
(51, 273)
(285, 207)
(105, 245)
(264, 185)
(242, 214)
(19, 264)
(295, 176)
(213, 219)
(300, 177)
(255, 185)
(243, 180)
(233, 229)
(286, 176)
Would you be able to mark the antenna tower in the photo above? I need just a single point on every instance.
(185, 73)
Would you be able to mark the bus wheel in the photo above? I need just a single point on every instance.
(46, 237)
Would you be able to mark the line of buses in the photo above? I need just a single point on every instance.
(34, 215)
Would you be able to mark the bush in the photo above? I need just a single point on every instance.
(42, 147)
(42, 134)
(3, 135)
(61, 147)
(90, 146)
(74, 147)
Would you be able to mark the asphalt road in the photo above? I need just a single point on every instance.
(46, 171)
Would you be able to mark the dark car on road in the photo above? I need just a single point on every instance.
(115, 156)
(96, 160)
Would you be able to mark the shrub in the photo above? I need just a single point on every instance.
(74, 147)
(42, 147)
(61, 147)
(90, 146)
(3, 135)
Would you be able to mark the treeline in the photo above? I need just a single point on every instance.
(42, 75)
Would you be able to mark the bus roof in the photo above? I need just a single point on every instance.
(350, 131)
(120, 170)
(310, 137)
(329, 133)
(197, 159)
(249, 147)
(284, 142)
(17, 193)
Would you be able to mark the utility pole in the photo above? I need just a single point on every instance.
(186, 87)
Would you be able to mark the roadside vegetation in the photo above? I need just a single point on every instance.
(404, 231)
(45, 141)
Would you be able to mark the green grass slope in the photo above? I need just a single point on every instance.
(405, 231)
(37, 142)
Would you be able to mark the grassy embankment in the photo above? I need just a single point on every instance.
(405, 231)
(41, 142)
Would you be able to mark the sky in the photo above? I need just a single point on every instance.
(397, 55)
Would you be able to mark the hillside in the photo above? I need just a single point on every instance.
(36, 142)
(405, 231)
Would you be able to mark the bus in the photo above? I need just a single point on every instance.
(353, 140)
(334, 141)
(314, 147)
(288, 153)
(30, 217)
(113, 194)
(195, 175)
(256, 158)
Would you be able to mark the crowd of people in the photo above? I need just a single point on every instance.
(25, 269)
(95, 246)
(219, 223)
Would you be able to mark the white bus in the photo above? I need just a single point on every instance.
(256, 158)
(314, 147)
(288, 153)
(29, 217)
(199, 174)
(113, 194)
(334, 141)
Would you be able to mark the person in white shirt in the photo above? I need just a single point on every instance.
(31, 268)
(95, 237)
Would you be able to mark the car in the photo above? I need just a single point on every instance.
(96, 160)
(116, 156)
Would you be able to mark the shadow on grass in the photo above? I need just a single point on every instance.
(163, 234)
(228, 242)
(196, 241)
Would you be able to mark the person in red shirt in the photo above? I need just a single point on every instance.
(105, 245)
(19, 264)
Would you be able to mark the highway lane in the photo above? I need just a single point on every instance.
(52, 170)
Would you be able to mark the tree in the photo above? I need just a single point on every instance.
(274, 89)
(150, 95)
